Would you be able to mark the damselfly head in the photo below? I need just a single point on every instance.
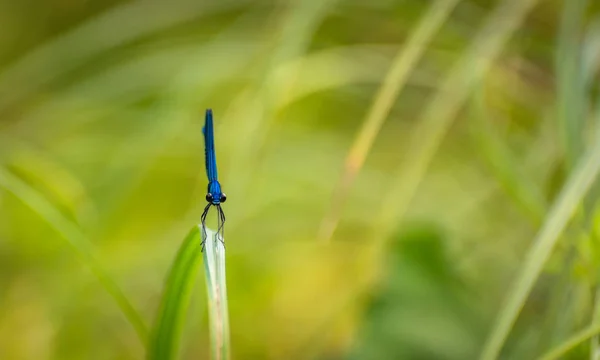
(216, 199)
(214, 195)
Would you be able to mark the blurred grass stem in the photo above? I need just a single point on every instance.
(574, 341)
(395, 80)
(570, 85)
(78, 241)
(431, 128)
(115, 27)
(300, 22)
(556, 221)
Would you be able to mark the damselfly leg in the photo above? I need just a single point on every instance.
(221, 225)
(203, 222)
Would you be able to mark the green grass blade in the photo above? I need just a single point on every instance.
(402, 67)
(167, 331)
(111, 29)
(571, 87)
(77, 240)
(216, 284)
(571, 103)
(300, 22)
(591, 52)
(595, 323)
(572, 342)
(437, 117)
(504, 165)
(591, 204)
(555, 223)
(334, 68)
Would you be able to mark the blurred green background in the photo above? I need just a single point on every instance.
(407, 255)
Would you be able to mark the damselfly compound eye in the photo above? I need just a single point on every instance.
(223, 197)
(209, 197)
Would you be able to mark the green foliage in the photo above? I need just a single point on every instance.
(423, 297)
(167, 332)
(558, 218)
(76, 239)
(485, 131)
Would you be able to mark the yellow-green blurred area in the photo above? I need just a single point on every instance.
(410, 254)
